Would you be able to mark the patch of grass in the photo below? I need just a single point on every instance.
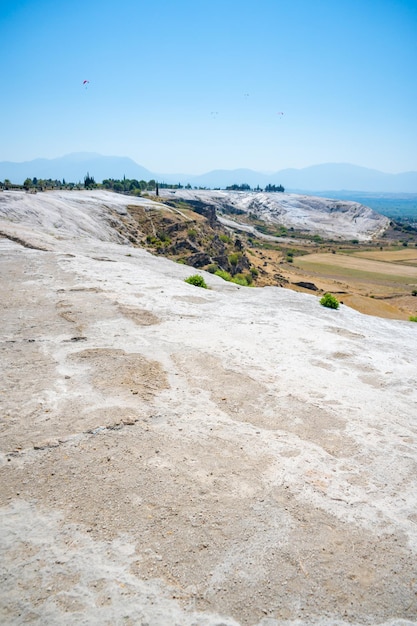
(245, 280)
(161, 241)
(163, 237)
(223, 274)
(413, 318)
(329, 301)
(196, 280)
(241, 279)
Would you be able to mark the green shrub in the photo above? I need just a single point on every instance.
(414, 292)
(163, 237)
(196, 280)
(249, 278)
(234, 258)
(413, 318)
(329, 301)
(213, 268)
(225, 238)
(240, 279)
(255, 272)
(223, 274)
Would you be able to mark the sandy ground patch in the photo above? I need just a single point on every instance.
(405, 254)
(363, 265)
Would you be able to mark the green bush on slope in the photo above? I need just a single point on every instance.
(329, 301)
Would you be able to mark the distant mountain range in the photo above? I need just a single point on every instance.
(73, 167)
(326, 177)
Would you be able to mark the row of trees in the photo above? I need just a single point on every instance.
(274, 188)
(246, 187)
(39, 184)
(126, 185)
(135, 187)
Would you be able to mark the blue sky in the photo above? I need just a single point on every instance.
(190, 86)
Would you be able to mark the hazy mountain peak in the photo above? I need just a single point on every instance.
(320, 177)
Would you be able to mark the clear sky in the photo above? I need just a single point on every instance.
(194, 85)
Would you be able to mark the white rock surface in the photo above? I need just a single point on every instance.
(322, 216)
(170, 454)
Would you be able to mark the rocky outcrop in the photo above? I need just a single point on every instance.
(307, 285)
(329, 218)
(200, 259)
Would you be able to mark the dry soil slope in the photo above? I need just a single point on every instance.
(171, 455)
